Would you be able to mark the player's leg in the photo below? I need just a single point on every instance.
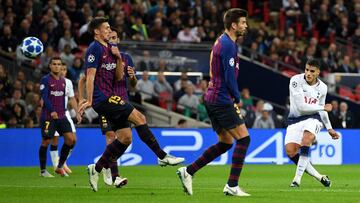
(306, 142)
(42, 157)
(186, 173)
(54, 154)
(119, 181)
(64, 128)
(292, 151)
(149, 139)
(241, 135)
(65, 166)
(109, 169)
(47, 133)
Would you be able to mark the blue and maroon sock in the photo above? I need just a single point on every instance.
(238, 158)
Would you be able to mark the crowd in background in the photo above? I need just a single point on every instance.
(309, 31)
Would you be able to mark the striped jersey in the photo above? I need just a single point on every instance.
(100, 57)
(120, 87)
(53, 94)
(224, 69)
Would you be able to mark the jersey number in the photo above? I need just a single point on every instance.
(115, 99)
(310, 100)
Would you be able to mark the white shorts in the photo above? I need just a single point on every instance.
(67, 115)
(295, 132)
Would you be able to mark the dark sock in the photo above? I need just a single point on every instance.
(209, 155)
(65, 149)
(111, 153)
(295, 159)
(42, 158)
(304, 150)
(148, 138)
(53, 147)
(238, 158)
(114, 170)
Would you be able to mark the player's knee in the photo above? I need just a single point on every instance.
(125, 139)
(307, 139)
(45, 142)
(291, 152)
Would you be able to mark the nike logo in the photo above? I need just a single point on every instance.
(232, 191)
(52, 85)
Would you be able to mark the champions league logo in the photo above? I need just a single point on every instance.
(91, 58)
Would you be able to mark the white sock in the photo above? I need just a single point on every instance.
(300, 169)
(313, 172)
(54, 158)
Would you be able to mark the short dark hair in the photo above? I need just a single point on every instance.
(54, 58)
(96, 23)
(115, 30)
(232, 16)
(181, 121)
(313, 63)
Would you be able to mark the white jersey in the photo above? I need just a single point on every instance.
(307, 101)
(69, 91)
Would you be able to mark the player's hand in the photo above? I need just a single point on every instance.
(54, 115)
(131, 71)
(81, 102)
(334, 135)
(115, 50)
(83, 106)
(328, 107)
(78, 118)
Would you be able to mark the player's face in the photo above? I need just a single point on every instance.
(241, 27)
(113, 38)
(55, 66)
(104, 31)
(63, 71)
(311, 74)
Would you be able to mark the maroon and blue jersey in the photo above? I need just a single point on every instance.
(224, 69)
(100, 57)
(120, 87)
(53, 94)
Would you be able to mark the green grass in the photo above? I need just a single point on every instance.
(266, 183)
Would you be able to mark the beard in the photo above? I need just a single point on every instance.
(240, 33)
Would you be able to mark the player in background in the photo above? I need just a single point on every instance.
(104, 67)
(52, 88)
(308, 113)
(221, 101)
(69, 98)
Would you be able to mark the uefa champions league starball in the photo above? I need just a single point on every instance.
(31, 47)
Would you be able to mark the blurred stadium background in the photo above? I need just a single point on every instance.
(174, 37)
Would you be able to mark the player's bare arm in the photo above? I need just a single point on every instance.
(90, 77)
(133, 79)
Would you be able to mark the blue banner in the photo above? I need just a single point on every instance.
(19, 147)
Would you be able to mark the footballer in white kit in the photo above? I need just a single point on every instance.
(307, 116)
(69, 98)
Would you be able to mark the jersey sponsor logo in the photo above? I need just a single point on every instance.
(57, 93)
(91, 58)
(232, 62)
(108, 66)
(294, 84)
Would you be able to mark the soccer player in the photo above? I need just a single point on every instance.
(307, 110)
(102, 61)
(69, 96)
(221, 100)
(52, 88)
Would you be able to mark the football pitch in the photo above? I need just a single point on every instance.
(265, 183)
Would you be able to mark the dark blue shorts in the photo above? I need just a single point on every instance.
(48, 127)
(107, 126)
(116, 111)
(224, 116)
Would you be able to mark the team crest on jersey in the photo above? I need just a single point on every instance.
(294, 84)
(232, 62)
(91, 58)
